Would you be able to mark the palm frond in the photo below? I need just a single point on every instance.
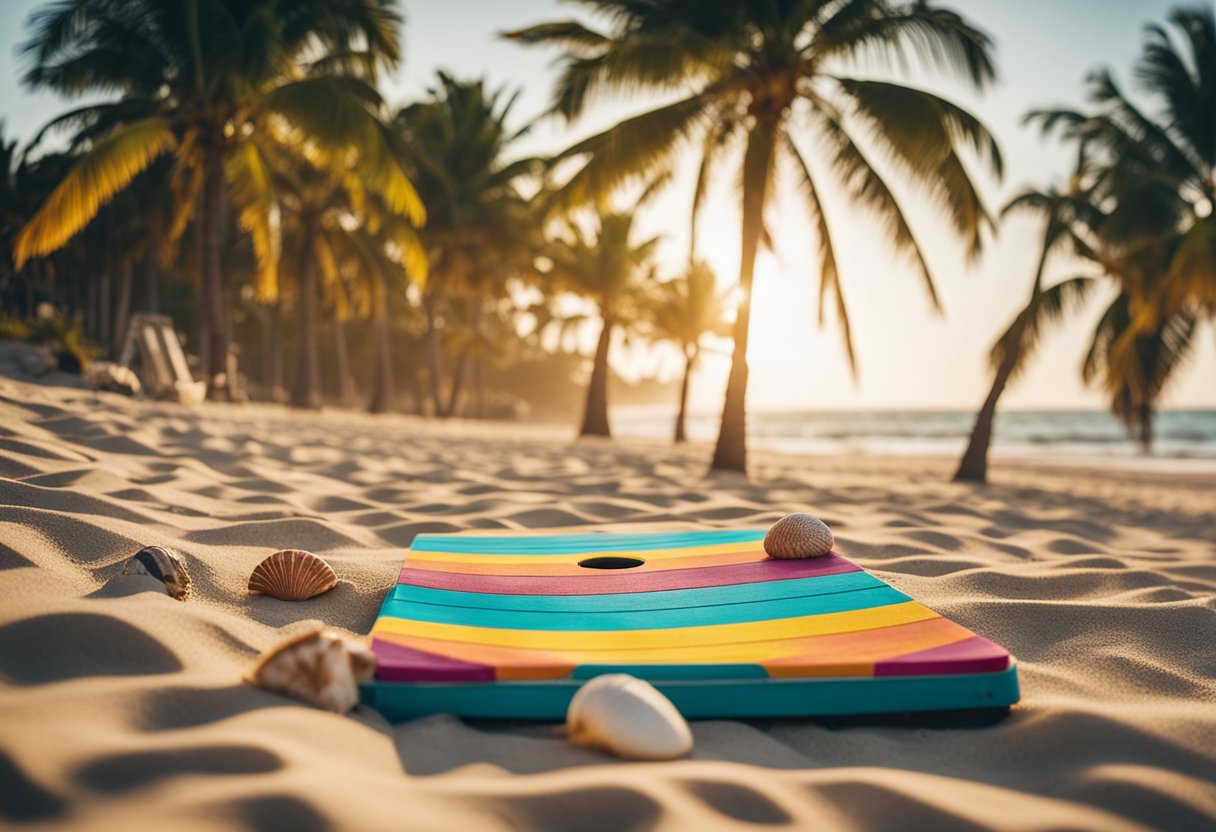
(338, 115)
(924, 133)
(91, 183)
(939, 37)
(867, 187)
(829, 273)
(1046, 307)
(249, 183)
(637, 148)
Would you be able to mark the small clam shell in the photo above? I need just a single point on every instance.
(164, 565)
(628, 717)
(292, 575)
(798, 535)
(319, 667)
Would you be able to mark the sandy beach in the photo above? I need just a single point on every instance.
(121, 708)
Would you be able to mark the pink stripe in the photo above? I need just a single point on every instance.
(971, 655)
(397, 663)
(618, 581)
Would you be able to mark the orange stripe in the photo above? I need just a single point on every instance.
(548, 569)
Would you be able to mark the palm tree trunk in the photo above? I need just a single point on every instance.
(690, 359)
(973, 467)
(151, 284)
(462, 362)
(306, 392)
(382, 383)
(1146, 426)
(434, 357)
(122, 306)
(216, 345)
(730, 454)
(104, 311)
(595, 416)
(346, 381)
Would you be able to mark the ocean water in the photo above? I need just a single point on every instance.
(1181, 435)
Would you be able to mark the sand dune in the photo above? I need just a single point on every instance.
(123, 709)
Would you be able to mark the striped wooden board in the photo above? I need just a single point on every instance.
(510, 626)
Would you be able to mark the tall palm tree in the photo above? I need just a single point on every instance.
(479, 227)
(200, 80)
(683, 311)
(770, 77)
(1068, 221)
(608, 268)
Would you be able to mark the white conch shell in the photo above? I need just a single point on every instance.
(164, 565)
(798, 535)
(319, 667)
(628, 717)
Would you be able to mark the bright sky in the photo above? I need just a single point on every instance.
(908, 357)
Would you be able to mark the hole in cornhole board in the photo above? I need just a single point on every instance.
(611, 563)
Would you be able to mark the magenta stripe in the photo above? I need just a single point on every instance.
(613, 582)
(396, 663)
(972, 655)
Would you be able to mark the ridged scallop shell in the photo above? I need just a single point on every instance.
(627, 717)
(164, 565)
(798, 535)
(318, 667)
(292, 575)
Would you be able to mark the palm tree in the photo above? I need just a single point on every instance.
(480, 229)
(609, 269)
(684, 310)
(1069, 219)
(768, 77)
(1153, 175)
(201, 80)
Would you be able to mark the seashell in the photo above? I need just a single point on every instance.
(164, 565)
(798, 535)
(628, 717)
(292, 575)
(319, 667)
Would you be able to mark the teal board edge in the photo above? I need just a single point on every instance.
(710, 699)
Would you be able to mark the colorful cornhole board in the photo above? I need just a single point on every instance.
(509, 627)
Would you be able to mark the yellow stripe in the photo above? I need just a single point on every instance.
(575, 557)
(808, 625)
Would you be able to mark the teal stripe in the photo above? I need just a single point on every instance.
(638, 601)
(573, 544)
(857, 599)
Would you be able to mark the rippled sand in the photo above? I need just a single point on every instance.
(122, 709)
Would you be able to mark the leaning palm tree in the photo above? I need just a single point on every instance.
(1153, 174)
(1068, 221)
(608, 268)
(770, 78)
(200, 80)
(683, 311)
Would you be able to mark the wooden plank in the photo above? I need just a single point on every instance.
(717, 634)
(773, 611)
(597, 542)
(636, 601)
(614, 581)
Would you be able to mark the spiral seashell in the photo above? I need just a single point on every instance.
(164, 565)
(627, 717)
(318, 667)
(292, 575)
(798, 535)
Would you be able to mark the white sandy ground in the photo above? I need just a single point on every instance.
(123, 709)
